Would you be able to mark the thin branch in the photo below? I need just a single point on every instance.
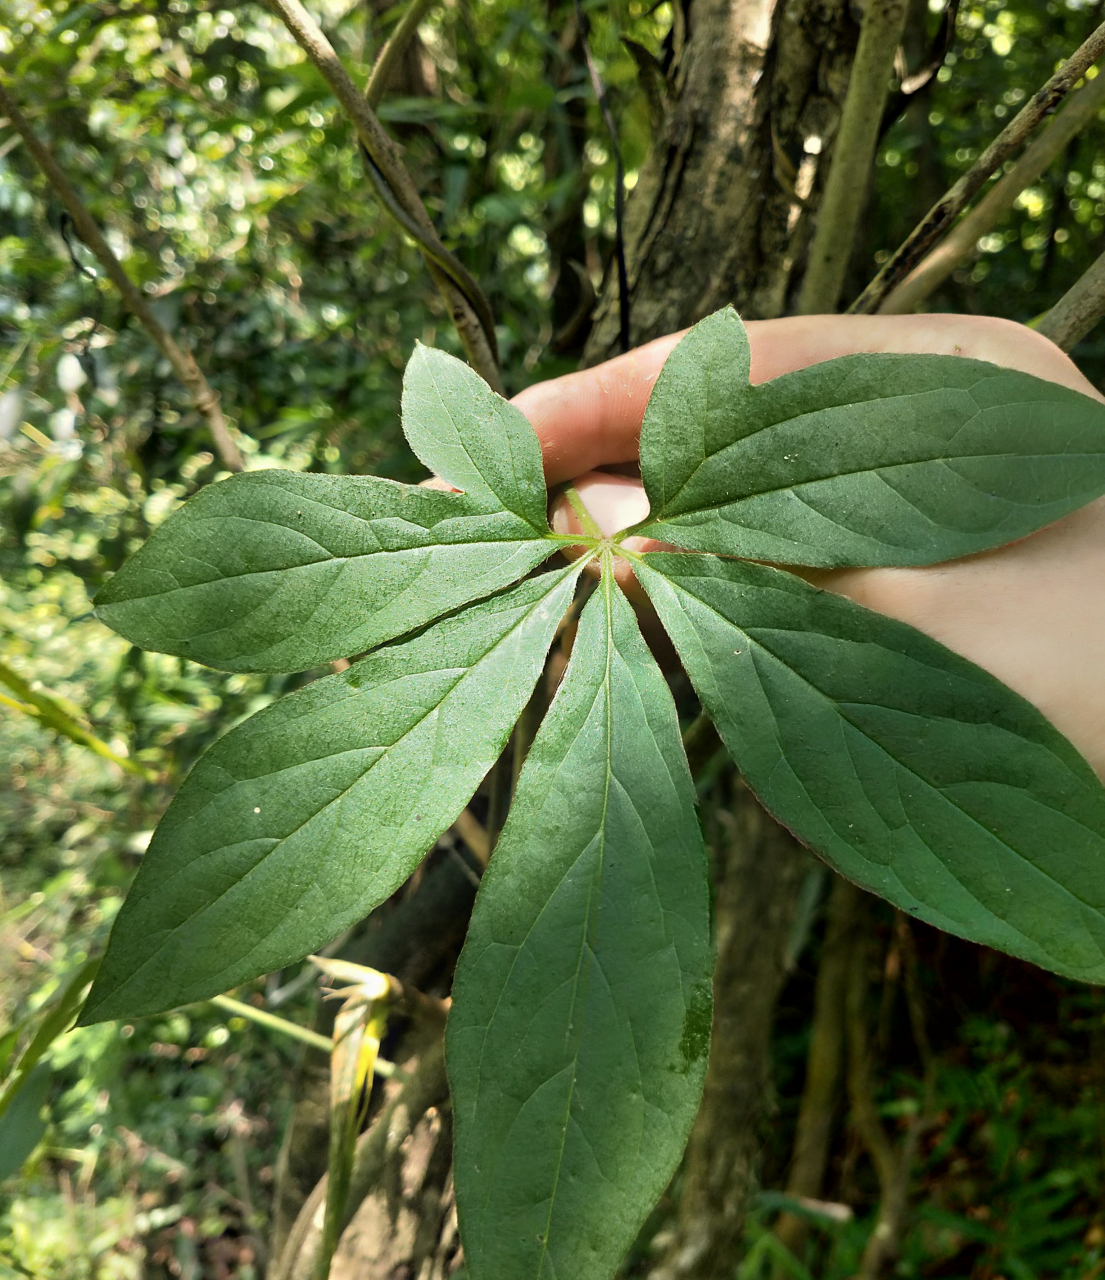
(49, 712)
(962, 241)
(619, 181)
(820, 1095)
(469, 308)
(1078, 310)
(944, 212)
(893, 1162)
(938, 51)
(424, 1087)
(912, 84)
(474, 834)
(396, 46)
(853, 155)
(203, 397)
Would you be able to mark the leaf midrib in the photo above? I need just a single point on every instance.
(596, 881)
(901, 764)
(717, 507)
(327, 560)
(278, 842)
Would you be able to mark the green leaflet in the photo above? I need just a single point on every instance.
(297, 823)
(21, 1125)
(281, 571)
(472, 437)
(577, 1040)
(912, 771)
(864, 460)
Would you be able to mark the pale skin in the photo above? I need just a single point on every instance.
(1032, 613)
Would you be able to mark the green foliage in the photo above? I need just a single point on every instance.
(302, 306)
(865, 460)
(268, 571)
(303, 819)
(581, 1007)
(913, 772)
(580, 1016)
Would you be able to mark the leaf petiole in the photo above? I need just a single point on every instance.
(585, 518)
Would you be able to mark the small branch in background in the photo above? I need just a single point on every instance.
(1078, 310)
(49, 712)
(203, 397)
(619, 181)
(913, 83)
(394, 49)
(701, 742)
(944, 212)
(472, 831)
(962, 241)
(938, 51)
(893, 1162)
(824, 1063)
(379, 1147)
(853, 155)
(468, 307)
(64, 223)
(239, 1009)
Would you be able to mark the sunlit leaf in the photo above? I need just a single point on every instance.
(280, 571)
(580, 1022)
(912, 771)
(865, 460)
(472, 437)
(296, 824)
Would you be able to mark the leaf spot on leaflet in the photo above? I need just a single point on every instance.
(695, 1043)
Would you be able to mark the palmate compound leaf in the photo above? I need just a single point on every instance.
(911, 771)
(302, 819)
(864, 460)
(281, 571)
(577, 1040)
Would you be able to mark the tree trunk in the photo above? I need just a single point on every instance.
(720, 214)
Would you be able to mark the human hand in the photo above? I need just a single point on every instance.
(1031, 613)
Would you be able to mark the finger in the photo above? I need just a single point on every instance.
(593, 418)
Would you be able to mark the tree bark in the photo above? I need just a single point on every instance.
(719, 212)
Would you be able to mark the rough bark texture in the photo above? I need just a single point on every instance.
(718, 214)
(758, 869)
